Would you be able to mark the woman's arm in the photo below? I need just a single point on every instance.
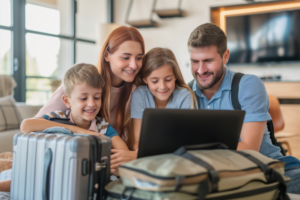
(119, 157)
(118, 143)
(137, 125)
(40, 124)
(55, 102)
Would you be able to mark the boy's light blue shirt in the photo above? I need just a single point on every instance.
(253, 99)
(142, 98)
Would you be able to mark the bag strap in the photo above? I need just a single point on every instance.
(264, 168)
(127, 197)
(212, 173)
(235, 91)
(270, 174)
(203, 189)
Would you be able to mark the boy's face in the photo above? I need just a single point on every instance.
(84, 101)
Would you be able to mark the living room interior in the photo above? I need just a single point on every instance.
(41, 39)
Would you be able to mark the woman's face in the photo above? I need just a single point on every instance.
(126, 62)
(161, 83)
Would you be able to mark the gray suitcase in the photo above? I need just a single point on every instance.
(60, 166)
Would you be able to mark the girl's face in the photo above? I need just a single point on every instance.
(126, 62)
(161, 83)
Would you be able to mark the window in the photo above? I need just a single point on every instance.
(39, 43)
(47, 59)
(5, 38)
(5, 52)
(55, 19)
(5, 13)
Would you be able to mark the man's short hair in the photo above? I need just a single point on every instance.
(207, 35)
(82, 73)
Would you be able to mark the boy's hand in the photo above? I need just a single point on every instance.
(119, 157)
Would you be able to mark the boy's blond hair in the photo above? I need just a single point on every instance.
(82, 73)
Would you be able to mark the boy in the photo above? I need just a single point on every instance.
(83, 88)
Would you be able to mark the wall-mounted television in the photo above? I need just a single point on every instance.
(264, 38)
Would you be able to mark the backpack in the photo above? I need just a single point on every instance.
(206, 171)
(237, 106)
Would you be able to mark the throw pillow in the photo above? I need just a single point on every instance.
(10, 117)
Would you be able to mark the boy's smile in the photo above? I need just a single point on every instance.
(85, 104)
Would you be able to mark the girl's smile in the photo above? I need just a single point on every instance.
(161, 83)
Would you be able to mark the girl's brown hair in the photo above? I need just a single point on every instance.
(156, 58)
(112, 43)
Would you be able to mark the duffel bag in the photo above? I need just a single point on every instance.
(254, 190)
(205, 169)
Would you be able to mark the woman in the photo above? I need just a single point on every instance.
(119, 62)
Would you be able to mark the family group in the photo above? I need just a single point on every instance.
(110, 98)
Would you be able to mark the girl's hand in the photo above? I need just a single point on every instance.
(119, 157)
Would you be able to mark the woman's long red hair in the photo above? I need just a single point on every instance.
(112, 43)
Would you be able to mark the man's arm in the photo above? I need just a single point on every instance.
(254, 100)
(251, 135)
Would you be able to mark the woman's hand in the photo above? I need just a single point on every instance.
(119, 157)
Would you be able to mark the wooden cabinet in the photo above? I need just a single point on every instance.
(290, 112)
(284, 90)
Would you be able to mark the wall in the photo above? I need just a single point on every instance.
(173, 33)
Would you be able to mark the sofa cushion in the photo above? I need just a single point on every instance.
(10, 117)
(6, 140)
(28, 111)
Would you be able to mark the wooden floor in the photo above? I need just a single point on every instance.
(291, 116)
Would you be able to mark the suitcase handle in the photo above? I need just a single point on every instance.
(47, 163)
(58, 129)
(216, 145)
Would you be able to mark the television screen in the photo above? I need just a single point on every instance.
(264, 38)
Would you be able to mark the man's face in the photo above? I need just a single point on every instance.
(207, 65)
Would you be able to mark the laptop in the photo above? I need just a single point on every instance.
(166, 130)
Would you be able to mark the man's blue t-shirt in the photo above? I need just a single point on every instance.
(254, 100)
(142, 98)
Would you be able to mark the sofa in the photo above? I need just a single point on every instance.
(6, 137)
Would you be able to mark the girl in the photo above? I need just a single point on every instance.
(119, 62)
(161, 86)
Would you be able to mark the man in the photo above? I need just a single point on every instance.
(209, 55)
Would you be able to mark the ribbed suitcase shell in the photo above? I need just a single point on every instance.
(66, 179)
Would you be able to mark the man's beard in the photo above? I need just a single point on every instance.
(216, 78)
